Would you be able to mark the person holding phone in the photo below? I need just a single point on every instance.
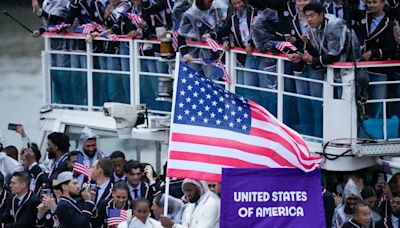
(50, 199)
(71, 211)
(30, 158)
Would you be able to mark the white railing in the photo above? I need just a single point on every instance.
(339, 115)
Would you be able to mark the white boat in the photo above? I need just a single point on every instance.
(339, 142)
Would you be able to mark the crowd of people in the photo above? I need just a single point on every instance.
(56, 193)
(321, 32)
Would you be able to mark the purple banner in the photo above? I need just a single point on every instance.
(271, 198)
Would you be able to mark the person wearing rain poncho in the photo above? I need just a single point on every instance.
(175, 207)
(202, 209)
(328, 42)
(343, 212)
(88, 146)
(204, 16)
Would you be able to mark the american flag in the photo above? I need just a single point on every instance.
(282, 45)
(90, 27)
(58, 28)
(175, 35)
(225, 76)
(213, 129)
(113, 37)
(81, 167)
(133, 17)
(116, 216)
(213, 44)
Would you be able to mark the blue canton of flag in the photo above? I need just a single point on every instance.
(201, 102)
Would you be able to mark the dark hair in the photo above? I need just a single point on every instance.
(117, 154)
(143, 165)
(132, 164)
(201, 5)
(135, 202)
(314, 6)
(121, 186)
(11, 151)
(72, 153)
(60, 140)
(23, 176)
(367, 192)
(36, 151)
(358, 206)
(106, 166)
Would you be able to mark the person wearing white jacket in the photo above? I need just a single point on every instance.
(202, 211)
(141, 216)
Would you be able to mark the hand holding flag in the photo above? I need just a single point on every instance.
(113, 37)
(282, 45)
(58, 28)
(137, 20)
(213, 44)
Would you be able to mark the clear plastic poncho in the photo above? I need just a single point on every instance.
(56, 7)
(195, 22)
(86, 134)
(351, 189)
(174, 207)
(331, 40)
(263, 29)
(179, 9)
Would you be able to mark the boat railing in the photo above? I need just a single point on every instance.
(322, 108)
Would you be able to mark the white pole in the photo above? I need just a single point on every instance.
(166, 195)
(167, 180)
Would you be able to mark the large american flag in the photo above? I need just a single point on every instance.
(116, 216)
(213, 129)
(81, 167)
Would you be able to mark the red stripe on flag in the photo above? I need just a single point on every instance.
(196, 175)
(220, 160)
(213, 44)
(262, 116)
(221, 142)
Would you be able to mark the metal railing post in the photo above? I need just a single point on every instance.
(89, 75)
(132, 68)
(136, 75)
(280, 79)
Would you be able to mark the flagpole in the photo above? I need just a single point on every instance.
(167, 180)
(166, 195)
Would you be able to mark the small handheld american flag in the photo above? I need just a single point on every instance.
(116, 216)
(90, 27)
(213, 44)
(133, 17)
(282, 45)
(58, 28)
(81, 167)
(113, 37)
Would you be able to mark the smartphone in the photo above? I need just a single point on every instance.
(12, 126)
(47, 192)
(93, 187)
